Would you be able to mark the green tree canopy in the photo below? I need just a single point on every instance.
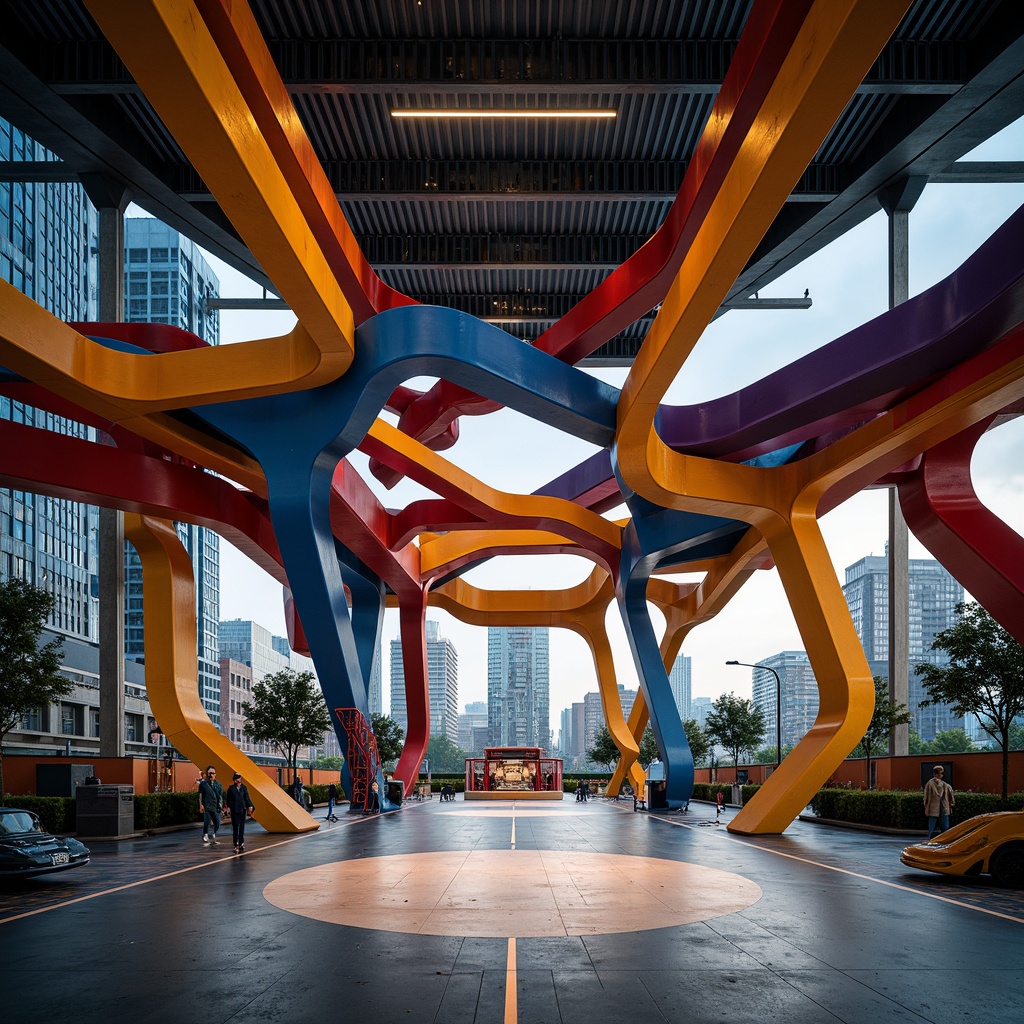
(648, 748)
(288, 710)
(984, 677)
(700, 742)
(445, 757)
(390, 738)
(604, 752)
(29, 672)
(329, 763)
(951, 741)
(737, 724)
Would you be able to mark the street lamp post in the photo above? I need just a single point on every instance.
(778, 706)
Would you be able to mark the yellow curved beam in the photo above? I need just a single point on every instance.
(582, 609)
(170, 52)
(169, 604)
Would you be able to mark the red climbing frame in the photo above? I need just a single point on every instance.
(362, 757)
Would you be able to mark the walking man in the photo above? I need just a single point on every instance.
(332, 799)
(938, 801)
(239, 804)
(211, 802)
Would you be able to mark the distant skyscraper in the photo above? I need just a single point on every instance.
(473, 731)
(167, 281)
(593, 719)
(799, 696)
(699, 709)
(443, 682)
(679, 680)
(48, 244)
(934, 594)
(517, 686)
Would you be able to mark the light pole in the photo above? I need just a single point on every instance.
(778, 706)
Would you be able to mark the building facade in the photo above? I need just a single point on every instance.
(680, 680)
(249, 653)
(442, 681)
(934, 595)
(518, 686)
(167, 281)
(474, 736)
(799, 696)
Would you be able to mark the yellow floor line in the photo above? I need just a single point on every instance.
(511, 1005)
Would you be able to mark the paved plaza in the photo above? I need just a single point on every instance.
(456, 912)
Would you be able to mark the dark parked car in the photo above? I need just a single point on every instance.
(26, 849)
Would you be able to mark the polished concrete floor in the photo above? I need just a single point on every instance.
(455, 912)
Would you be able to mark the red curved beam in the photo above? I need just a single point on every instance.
(976, 546)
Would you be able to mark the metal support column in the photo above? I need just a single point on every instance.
(111, 199)
(898, 201)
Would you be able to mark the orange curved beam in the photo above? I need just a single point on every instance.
(169, 605)
(582, 609)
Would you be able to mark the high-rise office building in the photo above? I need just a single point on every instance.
(799, 696)
(473, 731)
(517, 686)
(679, 679)
(168, 281)
(49, 238)
(934, 595)
(442, 681)
(700, 708)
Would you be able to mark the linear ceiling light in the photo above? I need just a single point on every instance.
(521, 115)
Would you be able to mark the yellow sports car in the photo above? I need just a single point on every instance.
(986, 844)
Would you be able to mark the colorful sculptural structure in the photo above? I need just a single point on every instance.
(724, 489)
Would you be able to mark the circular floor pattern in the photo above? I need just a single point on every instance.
(511, 893)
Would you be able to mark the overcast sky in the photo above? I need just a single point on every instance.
(848, 285)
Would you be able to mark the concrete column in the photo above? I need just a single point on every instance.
(111, 199)
(898, 201)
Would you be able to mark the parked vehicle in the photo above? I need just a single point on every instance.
(26, 849)
(990, 844)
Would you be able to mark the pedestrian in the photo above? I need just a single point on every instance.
(332, 798)
(239, 804)
(719, 803)
(211, 803)
(298, 794)
(938, 801)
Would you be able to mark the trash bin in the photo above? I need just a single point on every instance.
(396, 791)
(104, 810)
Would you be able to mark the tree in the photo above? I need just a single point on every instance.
(328, 763)
(288, 710)
(390, 738)
(984, 677)
(736, 724)
(916, 745)
(648, 748)
(445, 757)
(29, 673)
(951, 741)
(700, 743)
(887, 715)
(604, 752)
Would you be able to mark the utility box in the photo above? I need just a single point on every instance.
(105, 810)
(61, 779)
(395, 791)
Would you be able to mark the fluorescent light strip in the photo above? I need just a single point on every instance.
(519, 115)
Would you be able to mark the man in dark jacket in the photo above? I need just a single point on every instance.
(239, 804)
(211, 801)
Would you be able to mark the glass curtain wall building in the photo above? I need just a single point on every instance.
(934, 594)
(442, 680)
(518, 686)
(167, 281)
(48, 244)
(680, 681)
